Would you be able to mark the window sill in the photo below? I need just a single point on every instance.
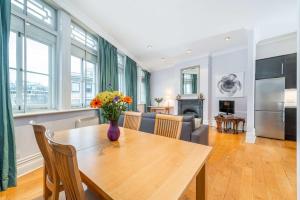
(50, 112)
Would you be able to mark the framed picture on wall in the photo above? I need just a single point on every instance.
(230, 85)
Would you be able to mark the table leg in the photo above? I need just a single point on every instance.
(201, 185)
(234, 127)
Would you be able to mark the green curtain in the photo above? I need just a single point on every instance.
(108, 60)
(147, 89)
(108, 69)
(194, 83)
(131, 82)
(7, 140)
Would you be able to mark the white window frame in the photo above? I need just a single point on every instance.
(121, 67)
(38, 32)
(140, 86)
(87, 51)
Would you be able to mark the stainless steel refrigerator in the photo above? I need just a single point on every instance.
(269, 108)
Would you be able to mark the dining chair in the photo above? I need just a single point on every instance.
(67, 168)
(132, 120)
(51, 181)
(168, 125)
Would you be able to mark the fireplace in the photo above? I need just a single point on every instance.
(192, 107)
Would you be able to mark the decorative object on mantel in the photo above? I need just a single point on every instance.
(230, 85)
(178, 97)
(201, 96)
(158, 100)
(113, 103)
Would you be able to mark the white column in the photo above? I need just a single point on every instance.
(64, 60)
(210, 91)
(250, 87)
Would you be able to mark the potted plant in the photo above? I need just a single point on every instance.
(158, 100)
(112, 103)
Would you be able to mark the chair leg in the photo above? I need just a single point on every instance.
(56, 188)
(47, 192)
(55, 193)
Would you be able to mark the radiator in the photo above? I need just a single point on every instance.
(89, 121)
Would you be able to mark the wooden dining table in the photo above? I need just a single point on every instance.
(139, 165)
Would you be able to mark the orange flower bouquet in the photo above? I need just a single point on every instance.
(112, 103)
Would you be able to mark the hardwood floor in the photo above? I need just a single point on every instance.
(236, 170)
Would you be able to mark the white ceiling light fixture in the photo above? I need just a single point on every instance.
(189, 51)
(149, 46)
(163, 59)
(227, 38)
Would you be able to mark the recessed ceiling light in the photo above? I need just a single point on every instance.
(227, 38)
(163, 59)
(189, 51)
(149, 46)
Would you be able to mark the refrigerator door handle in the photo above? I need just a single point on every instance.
(282, 68)
(283, 116)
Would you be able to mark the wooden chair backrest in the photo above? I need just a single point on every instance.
(168, 125)
(67, 169)
(40, 136)
(132, 120)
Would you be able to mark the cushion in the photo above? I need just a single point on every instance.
(198, 122)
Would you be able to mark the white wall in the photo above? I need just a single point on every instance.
(27, 151)
(166, 82)
(228, 63)
(282, 45)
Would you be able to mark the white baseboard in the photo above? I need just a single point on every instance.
(29, 164)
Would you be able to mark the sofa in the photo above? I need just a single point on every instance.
(189, 132)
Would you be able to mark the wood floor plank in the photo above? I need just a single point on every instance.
(235, 170)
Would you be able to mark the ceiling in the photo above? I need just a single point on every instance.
(172, 27)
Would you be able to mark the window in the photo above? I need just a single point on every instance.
(36, 10)
(121, 73)
(31, 59)
(141, 86)
(83, 67)
(83, 38)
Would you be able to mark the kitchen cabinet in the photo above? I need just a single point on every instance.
(270, 68)
(290, 124)
(290, 70)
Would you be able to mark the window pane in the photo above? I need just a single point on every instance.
(13, 50)
(13, 87)
(83, 37)
(76, 66)
(143, 91)
(41, 11)
(76, 73)
(91, 42)
(90, 86)
(120, 59)
(37, 94)
(89, 90)
(37, 57)
(90, 70)
(77, 33)
(18, 5)
(76, 94)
